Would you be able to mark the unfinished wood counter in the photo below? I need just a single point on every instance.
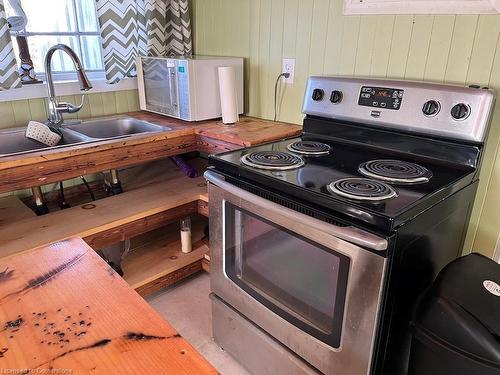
(63, 308)
(44, 167)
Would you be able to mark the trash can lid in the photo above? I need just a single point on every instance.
(462, 307)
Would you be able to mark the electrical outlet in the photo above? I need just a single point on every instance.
(289, 67)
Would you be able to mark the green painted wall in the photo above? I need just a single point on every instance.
(460, 49)
(19, 112)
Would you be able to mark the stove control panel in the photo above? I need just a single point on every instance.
(380, 97)
(430, 109)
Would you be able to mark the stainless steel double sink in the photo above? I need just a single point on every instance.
(14, 142)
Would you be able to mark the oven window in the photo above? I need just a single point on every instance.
(301, 281)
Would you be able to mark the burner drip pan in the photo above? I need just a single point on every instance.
(272, 160)
(395, 171)
(362, 189)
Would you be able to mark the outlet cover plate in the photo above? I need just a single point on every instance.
(289, 67)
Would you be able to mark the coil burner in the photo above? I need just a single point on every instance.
(272, 160)
(362, 189)
(395, 171)
(309, 148)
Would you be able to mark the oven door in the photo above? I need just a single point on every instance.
(307, 283)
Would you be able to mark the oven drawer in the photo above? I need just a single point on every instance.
(258, 352)
(307, 283)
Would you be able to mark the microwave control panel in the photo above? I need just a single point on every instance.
(183, 89)
(380, 97)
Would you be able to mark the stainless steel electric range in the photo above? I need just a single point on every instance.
(320, 245)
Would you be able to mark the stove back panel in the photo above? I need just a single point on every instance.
(446, 111)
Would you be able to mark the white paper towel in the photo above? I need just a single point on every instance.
(228, 95)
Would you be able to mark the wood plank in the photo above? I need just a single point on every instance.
(318, 36)
(13, 210)
(382, 45)
(365, 45)
(400, 45)
(104, 328)
(205, 265)
(250, 132)
(203, 208)
(103, 215)
(349, 45)
(140, 226)
(485, 45)
(461, 48)
(439, 48)
(156, 259)
(419, 47)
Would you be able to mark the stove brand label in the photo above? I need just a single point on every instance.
(492, 287)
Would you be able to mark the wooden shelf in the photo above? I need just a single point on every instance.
(156, 260)
(155, 195)
(146, 204)
(13, 210)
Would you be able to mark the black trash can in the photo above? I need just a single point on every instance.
(456, 326)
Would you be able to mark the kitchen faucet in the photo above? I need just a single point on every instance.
(56, 108)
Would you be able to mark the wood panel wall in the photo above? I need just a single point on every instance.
(19, 112)
(445, 48)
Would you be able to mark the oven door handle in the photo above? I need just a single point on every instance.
(350, 234)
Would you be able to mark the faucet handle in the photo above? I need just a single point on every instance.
(71, 108)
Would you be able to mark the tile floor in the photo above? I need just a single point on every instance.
(186, 307)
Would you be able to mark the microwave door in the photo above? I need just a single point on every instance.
(160, 86)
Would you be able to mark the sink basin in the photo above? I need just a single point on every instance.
(13, 142)
(115, 127)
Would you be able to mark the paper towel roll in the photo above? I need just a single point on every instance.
(228, 95)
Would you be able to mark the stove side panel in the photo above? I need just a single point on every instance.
(423, 247)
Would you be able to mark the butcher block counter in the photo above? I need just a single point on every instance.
(44, 167)
(64, 311)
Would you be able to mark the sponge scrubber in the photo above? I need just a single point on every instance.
(43, 133)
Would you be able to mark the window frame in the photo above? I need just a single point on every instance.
(93, 74)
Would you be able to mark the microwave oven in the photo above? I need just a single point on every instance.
(186, 88)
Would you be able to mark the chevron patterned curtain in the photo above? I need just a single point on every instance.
(144, 27)
(9, 77)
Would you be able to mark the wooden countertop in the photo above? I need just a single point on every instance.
(63, 308)
(39, 168)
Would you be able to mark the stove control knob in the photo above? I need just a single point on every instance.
(460, 111)
(336, 97)
(431, 108)
(318, 95)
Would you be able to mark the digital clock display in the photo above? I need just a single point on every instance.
(382, 93)
(381, 97)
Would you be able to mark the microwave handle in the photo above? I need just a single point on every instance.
(172, 84)
(350, 234)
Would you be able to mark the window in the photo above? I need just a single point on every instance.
(421, 6)
(71, 22)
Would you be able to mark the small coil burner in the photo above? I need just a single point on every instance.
(362, 189)
(309, 148)
(272, 160)
(395, 171)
